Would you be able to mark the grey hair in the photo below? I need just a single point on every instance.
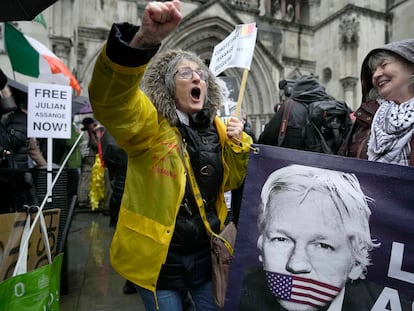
(346, 194)
(159, 85)
(173, 66)
(376, 59)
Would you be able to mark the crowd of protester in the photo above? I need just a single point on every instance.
(133, 129)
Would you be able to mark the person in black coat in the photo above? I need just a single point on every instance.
(116, 161)
(308, 119)
(26, 155)
(8, 172)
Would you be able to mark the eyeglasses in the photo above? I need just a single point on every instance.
(186, 73)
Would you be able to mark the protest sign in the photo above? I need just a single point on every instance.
(230, 90)
(49, 110)
(10, 236)
(236, 50)
(389, 281)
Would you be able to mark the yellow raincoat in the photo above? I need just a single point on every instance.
(155, 180)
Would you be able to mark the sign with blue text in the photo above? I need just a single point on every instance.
(49, 112)
(236, 50)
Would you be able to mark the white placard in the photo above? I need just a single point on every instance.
(49, 112)
(236, 50)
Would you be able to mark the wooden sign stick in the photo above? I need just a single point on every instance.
(241, 93)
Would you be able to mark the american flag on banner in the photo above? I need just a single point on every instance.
(301, 290)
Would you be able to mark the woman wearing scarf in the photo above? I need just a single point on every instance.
(387, 74)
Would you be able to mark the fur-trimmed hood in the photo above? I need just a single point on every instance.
(153, 84)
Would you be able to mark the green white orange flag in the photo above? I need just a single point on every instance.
(41, 20)
(31, 58)
(236, 50)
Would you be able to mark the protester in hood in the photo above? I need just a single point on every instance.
(10, 188)
(160, 242)
(387, 75)
(306, 89)
(7, 104)
(26, 152)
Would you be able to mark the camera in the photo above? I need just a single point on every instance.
(286, 85)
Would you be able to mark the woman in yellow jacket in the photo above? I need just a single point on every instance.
(160, 242)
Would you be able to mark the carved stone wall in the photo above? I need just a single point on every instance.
(327, 38)
(349, 31)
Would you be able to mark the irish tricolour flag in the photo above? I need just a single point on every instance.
(31, 58)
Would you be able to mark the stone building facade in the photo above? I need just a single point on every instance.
(326, 38)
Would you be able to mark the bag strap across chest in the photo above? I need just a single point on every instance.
(198, 197)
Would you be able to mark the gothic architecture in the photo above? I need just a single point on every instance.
(326, 38)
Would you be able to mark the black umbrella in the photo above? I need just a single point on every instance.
(19, 91)
(22, 10)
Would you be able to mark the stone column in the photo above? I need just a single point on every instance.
(348, 44)
(297, 11)
(349, 87)
(268, 7)
(283, 7)
(62, 48)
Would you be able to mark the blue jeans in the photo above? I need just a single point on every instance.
(172, 300)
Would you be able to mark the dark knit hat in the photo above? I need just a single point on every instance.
(86, 122)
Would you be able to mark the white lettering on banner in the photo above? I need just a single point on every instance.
(19, 289)
(388, 298)
(50, 299)
(396, 259)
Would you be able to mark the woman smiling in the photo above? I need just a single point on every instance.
(388, 75)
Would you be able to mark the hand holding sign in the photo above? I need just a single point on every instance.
(236, 50)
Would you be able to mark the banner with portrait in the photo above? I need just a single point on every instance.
(389, 274)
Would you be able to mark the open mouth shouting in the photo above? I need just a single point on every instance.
(195, 93)
(190, 87)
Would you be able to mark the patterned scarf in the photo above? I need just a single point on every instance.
(391, 132)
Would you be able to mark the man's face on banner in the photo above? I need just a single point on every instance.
(305, 239)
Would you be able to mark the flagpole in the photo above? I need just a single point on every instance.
(49, 176)
(241, 93)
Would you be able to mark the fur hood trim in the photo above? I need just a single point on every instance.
(153, 84)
